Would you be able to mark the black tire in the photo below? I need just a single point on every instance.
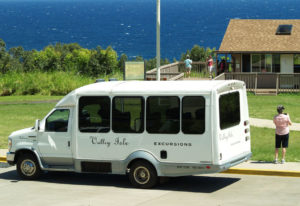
(28, 167)
(143, 175)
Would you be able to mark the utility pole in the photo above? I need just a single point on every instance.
(158, 40)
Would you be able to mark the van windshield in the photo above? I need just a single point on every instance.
(229, 110)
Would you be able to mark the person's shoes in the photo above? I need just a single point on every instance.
(282, 161)
(276, 161)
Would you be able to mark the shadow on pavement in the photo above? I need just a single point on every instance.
(202, 184)
(261, 162)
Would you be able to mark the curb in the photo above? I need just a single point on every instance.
(3, 163)
(263, 172)
(2, 159)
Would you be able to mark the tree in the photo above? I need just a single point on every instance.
(198, 53)
(4, 57)
(17, 53)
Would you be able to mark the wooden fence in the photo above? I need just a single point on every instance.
(175, 71)
(266, 81)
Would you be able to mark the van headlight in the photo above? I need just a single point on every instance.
(9, 144)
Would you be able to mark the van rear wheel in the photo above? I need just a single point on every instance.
(28, 167)
(143, 175)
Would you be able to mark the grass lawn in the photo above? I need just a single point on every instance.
(264, 107)
(263, 145)
(12, 99)
(19, 116)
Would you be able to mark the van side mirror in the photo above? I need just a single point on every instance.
(37, 125)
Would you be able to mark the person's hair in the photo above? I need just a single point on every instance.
(187, 56)
(280, 109)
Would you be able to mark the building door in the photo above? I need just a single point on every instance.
(246, 63)
(287, 63)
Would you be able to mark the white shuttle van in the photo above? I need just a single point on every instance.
(146, 129)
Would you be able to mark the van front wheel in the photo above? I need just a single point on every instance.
(28, 167)
(143, 175)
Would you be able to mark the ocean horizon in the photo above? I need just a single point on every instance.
(129, 26)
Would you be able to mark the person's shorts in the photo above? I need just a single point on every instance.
(282, 140)
(211, 69)
(188, 68)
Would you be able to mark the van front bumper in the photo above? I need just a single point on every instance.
(10, 158)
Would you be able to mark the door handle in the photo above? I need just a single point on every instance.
(69, 143)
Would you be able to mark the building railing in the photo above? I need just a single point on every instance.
(272, 81)
(175, 71)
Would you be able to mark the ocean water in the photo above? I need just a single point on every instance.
(129, 26)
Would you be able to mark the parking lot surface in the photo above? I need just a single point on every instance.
(94, 189)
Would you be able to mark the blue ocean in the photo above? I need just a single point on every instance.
(129, 26)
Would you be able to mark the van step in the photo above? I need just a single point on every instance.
(59, 168)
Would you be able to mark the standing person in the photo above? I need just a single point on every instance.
(282, 122)
(210, 64)
(188, 65)
(222, 66)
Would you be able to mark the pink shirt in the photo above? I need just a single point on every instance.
(210, 62)
(282, 122)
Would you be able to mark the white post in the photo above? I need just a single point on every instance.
(158, 40)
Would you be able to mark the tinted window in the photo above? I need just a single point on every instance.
(229, 108)
(94, 114)
(128, 115)
(163, 115)
(193, 115)
(58, 121)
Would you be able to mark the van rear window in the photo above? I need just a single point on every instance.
(229, 110)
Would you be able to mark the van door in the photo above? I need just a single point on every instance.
(54, 138)
(232, 134)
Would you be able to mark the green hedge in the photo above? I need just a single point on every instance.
(45, 83)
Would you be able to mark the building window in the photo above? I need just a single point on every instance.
(284, 29)
(276, 63)
(163, 115)
(265, 62)
(297, 63)
(256, 62)
(193, 115)
(268, 61)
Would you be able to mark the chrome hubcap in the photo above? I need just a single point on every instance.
(28, 167)
(141, 175)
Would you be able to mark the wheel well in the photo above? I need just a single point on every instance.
(139, 159)
(19, 153)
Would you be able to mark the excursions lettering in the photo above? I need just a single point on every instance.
(173, 144)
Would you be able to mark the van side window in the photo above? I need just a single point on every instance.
(128, 115)
(58, 121)
(193, 115)
(229, 108)
(94, 114)
(163, 115)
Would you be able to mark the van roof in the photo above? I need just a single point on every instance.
(134, 88)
